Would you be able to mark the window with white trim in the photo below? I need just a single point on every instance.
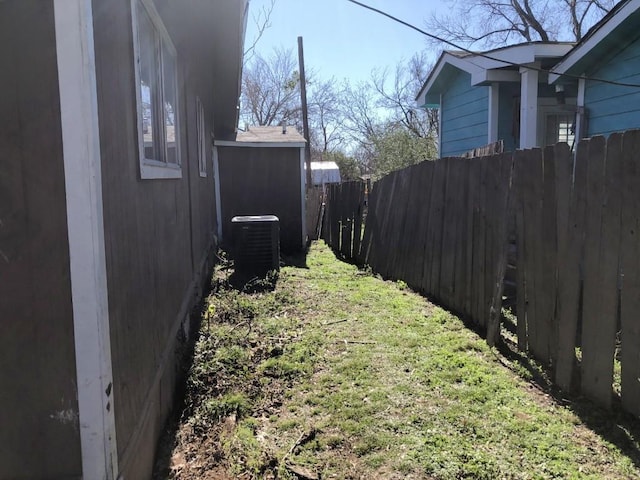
(157, 94)
(202, 138)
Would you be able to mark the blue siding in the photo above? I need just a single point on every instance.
(614, 108)
(465, 111)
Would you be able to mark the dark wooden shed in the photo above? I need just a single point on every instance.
(261, 172)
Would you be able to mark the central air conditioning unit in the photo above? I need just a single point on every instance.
(256, 243)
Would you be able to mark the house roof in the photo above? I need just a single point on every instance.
(267, 136)
(614, 32)
(498, 65)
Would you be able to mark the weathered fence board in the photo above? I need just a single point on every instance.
(425, 177)
(547, 265)
(397, 225)
(371, 224)
(460, 279)
(630, 268)
(521, 286)
(408, 237)
(431, 282)
(569, 228)
(472, 189)
(596, 382)
(530, 173)
(479, 241)
(501, 216)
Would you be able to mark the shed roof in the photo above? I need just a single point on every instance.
(270, 134)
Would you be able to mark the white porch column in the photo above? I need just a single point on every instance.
(529, 106)
(83, 183)
(494, 105)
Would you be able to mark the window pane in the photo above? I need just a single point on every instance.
(148, 84)
(170, 104)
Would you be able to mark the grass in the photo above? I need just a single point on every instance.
(338, 374)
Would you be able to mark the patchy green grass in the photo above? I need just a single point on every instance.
(338, 374)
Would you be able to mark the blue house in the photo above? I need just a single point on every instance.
(502, 94)
(610, 52)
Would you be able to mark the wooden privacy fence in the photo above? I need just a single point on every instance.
(443, 228)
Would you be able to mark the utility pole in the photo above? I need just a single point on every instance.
(305, 116)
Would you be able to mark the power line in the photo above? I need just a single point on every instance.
(489, 57)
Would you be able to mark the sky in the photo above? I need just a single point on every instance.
(341, 39)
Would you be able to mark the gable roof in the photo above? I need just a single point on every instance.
(616, 29)
(500, 64)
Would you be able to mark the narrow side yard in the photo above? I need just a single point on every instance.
(335, 373)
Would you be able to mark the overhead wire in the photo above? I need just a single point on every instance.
(487, 56)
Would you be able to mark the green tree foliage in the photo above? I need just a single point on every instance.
(396, 147)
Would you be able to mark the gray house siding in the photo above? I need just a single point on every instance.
(158, 236)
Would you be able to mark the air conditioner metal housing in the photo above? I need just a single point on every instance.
(256, 243)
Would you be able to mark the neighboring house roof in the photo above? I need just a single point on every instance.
(267, 137)
(614, 32)
(498, 65)
(325, 172)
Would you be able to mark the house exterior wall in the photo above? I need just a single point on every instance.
(613, 108)
(465, 111)
(262, 181)
(158, 237)
(39, 431)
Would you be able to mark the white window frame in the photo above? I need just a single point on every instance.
(202, 138)
(156, 168)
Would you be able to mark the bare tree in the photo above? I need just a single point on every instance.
(584, 12)
(271, 89)
(359, 111)
(491, 23)
(325, 117)
(262, 21)
(397, 95)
